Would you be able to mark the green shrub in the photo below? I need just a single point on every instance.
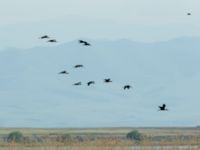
(15, 136)
(134, 135)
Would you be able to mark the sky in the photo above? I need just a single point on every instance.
(121, 11)
(158, 73)
(138, 20)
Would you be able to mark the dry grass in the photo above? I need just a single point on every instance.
(105, 144)
(109, 139)
(114, 131)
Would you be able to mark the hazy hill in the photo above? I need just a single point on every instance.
(33, 94)
(72, 27)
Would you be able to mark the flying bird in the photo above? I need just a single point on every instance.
(127, 87)
(162, 108)
(107, 80)
(78, 83)
(63, 72)
(52, 41)
(78, 66)
(90, 82)
(81, 41)
(188, 14)
(44, 37)
(85, 43)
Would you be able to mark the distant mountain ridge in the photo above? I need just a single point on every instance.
(25, 35)
(33, 94)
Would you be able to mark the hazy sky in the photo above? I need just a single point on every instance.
(139, 20)
(166, 72)
(126, 11)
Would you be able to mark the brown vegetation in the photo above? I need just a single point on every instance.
(100, 139)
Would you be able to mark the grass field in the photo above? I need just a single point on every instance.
(102, 138)
(115, 131)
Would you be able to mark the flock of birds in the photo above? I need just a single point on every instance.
(89, 83)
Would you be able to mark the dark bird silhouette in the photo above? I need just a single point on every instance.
(78, 83)
(81, 41)
(45, 37)
(78, 66)
(85, 43)
(90, 82)
(52, 41)
(107, 80)
(188, 14)
(63, 72)
(162, 108)
(127, 87)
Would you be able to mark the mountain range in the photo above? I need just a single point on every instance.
(33, 94)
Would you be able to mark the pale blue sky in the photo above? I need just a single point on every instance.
(121, 11)
(161, 72)
(138, 20)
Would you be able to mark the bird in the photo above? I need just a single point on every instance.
(188, 14)
(85, 43)
(107, 80)
(90, 82)
(52, 41)
(162, 108)
(78, 66)
(63, 72)
(44, 37)
(81, 41)
(127, 87)
(78, 83)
